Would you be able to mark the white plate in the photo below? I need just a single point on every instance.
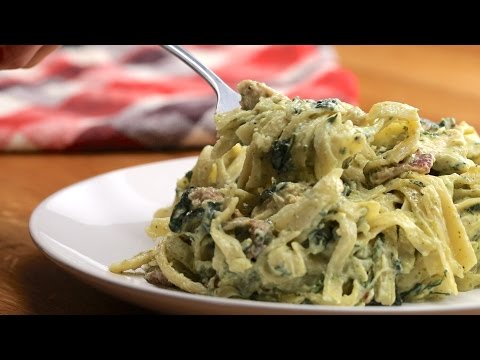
(87, 226)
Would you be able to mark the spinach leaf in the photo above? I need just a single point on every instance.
(347, 189)
(319, 238)
(281, 156)
(447, 123)
(428, 125)
(267, 194)
(419, 288)
(326, 104)
(331, 120)
(211, 209)
(183, 206)
(297, 103)
(473, 209)
(186, 218)
(192, 219)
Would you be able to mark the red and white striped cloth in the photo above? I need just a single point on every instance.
(133, 97)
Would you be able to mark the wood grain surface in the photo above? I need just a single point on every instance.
(439, 80)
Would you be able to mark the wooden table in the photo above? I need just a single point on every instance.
(440, 81)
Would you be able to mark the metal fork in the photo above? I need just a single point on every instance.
(227, 98)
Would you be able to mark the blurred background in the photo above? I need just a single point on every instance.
(132, 97)
(439, 80)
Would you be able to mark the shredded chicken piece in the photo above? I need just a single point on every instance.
(251, 92)
(201, 194)
(259, 231)
(156, 277)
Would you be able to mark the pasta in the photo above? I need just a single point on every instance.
(317, 202)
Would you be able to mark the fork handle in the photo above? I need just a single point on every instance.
(215, 82)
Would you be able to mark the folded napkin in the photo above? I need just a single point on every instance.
(141, 97)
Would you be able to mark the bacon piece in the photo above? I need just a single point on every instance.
(420, 163)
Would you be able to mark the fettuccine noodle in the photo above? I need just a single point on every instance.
(317, 202)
